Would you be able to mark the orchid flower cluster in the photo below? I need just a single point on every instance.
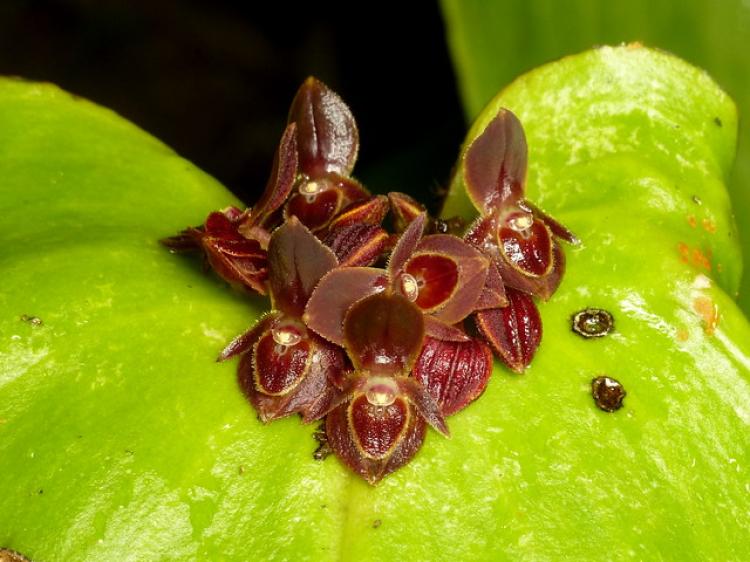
(379, 333)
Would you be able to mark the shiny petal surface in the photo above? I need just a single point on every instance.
(514, 332)
(542, 287)
(336, 292)
(426, 405)
(557, 228)
(406, 245)
(455, 374)
(383, 334)
(297, 260)
(316, 207)
(436, 277)
(348, 450)
(377, 429)
(328, 137)
(279, 367)
(279, 186)
(370, 211)
(471, 275)
(529, 251)
(495, 164)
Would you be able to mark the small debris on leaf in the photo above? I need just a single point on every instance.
(608, 393)
(33, 320)
(592, 323)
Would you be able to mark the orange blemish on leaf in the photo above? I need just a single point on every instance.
(692, 221)
(682, 334)
(684, 252)
(709, 313)
(701, 260)
(708, 226)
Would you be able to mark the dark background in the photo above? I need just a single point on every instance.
(214, 80)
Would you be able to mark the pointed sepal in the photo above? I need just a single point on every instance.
(358, 245)
(405, 209)
(328, 136)
(494, 164)
(514, 332)
(297, 261)
(454, 373)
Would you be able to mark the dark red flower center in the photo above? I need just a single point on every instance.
(281, 359)
(527, 245)
(315, 203)
(377, 429)
(436, 277)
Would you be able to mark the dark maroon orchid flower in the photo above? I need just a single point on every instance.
(520, 240)
(443, 276)
(286, 368)
(235, 242)
(328, 146)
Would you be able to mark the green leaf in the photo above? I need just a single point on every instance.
(493, 42)
(120, 438)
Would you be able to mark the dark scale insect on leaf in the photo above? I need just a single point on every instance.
(608, 393)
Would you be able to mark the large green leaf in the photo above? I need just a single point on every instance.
(121, 439)
(493, 41)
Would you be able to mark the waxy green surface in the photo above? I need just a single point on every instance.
(121, 439)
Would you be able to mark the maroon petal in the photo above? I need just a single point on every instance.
(528, 248)
(371, 211)
(432, 279)
(470, 276)
(542, 287)
(514, 332)
(342, 441)
(282, 357)
(297, 261)
(328, 137)
(383, 334)
(455, 374)
(357, 245)
(405, 209)
(557, 228)
(315, 203)
(239, 261)
(425, 404)
(313, 395)
(493, 293)
(406, 246)
(440, 330)
(245, 342)
(336, 292)
(279, 186)
(495, 164)
(377, 429)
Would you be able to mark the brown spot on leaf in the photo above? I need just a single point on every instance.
(718, 122)
(709, 313)
(377, 523)
(697, 200)
(682, 334)
(592, 323)
(608, 393)
(692, 221)
(7, 555)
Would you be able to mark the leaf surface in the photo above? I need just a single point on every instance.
(121, 438)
